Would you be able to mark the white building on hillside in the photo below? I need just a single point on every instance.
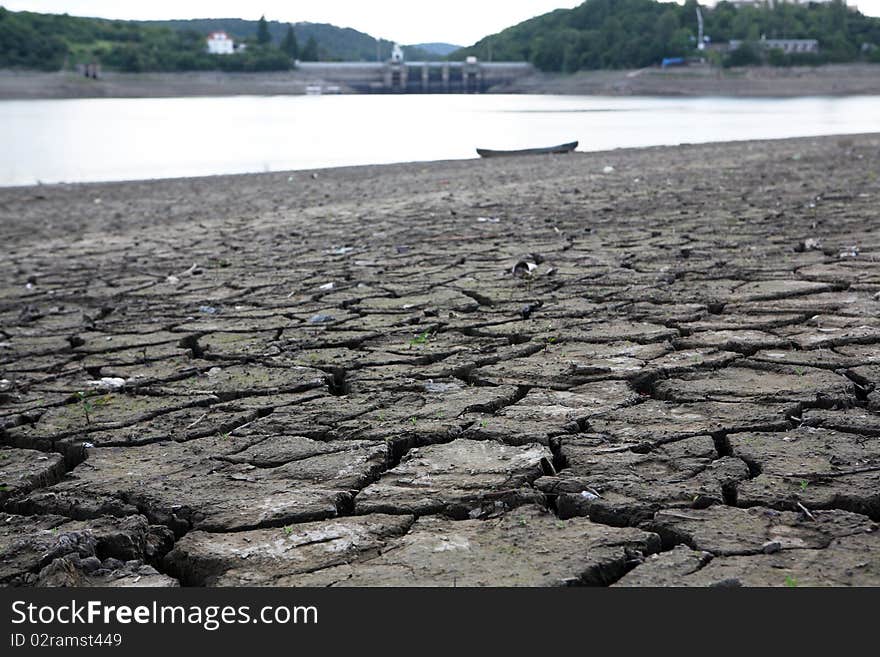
(788, 46)
(220, 43)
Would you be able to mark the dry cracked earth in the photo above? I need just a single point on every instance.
(637, 368)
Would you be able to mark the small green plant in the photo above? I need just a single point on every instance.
(219, 262)
(413, 420)
(225, 436)
(86, 406)
(4, 488)
(288, 531)
(560, 524)
(791, 581)
(804, 484)
(800, 371)
(420, 339)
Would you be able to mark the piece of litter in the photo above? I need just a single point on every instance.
(210, 310)
(608, 169)
(524, 268)
(810, 244)
(326, 286)
(107, 383)
(437, 388)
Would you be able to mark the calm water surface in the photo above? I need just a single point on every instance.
(122, 139)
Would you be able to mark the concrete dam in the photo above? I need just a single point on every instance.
(440, 77)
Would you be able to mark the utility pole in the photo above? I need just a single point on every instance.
(701, 43)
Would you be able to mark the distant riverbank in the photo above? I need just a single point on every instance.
(837, 80)
(20, 85)
(761, 81)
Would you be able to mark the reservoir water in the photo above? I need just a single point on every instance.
(122, 139)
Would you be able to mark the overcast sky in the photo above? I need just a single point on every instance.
(409, 21)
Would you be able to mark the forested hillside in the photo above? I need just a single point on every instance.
(334, 43)
(51, 41)
(635, 33)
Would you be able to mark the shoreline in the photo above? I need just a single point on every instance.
(758, 82)
(424, 165)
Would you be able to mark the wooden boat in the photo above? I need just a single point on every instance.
(549, 150)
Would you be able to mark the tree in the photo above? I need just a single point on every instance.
(263, 36)
(310, 52)
(748, 54)
(289, 45)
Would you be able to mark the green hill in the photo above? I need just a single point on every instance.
(601, 34)
(436, 49)
(334, 43)
(52, 41)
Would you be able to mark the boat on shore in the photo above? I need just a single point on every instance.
(548, 150)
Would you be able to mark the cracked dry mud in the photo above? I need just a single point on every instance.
(508, 372)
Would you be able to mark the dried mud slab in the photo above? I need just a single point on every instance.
(190, 485)
(850, 420)
(111, 573)
(817, 468)
(525, 547)
(848, 561)
(264, 557)
(50, 550)
(729, 531)
(464, 478)
(73, 422)
(655, 422)
(801, 385)
(543, 414)
(23, 470)
(622, 487)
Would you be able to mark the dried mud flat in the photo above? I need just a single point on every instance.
(636, 368)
